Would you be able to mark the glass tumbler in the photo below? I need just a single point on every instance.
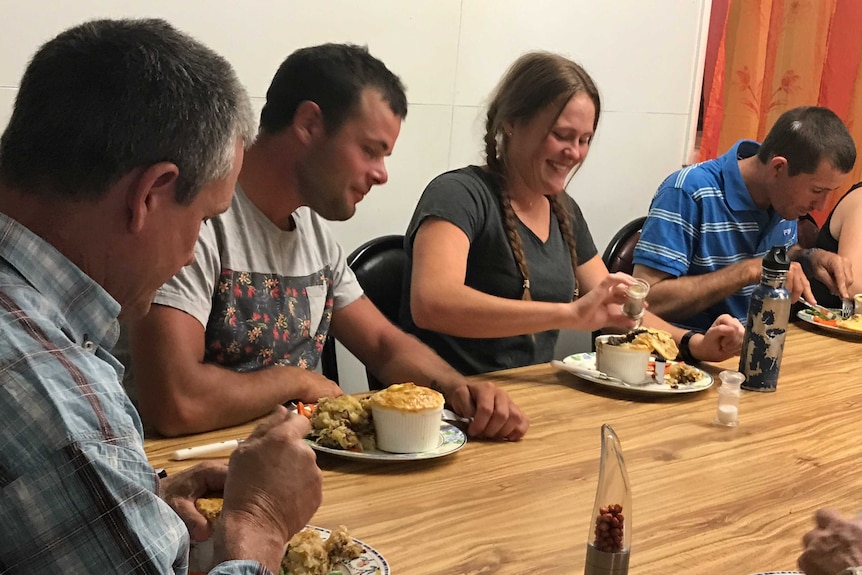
(635, 296)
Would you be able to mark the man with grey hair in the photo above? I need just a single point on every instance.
(125, 135)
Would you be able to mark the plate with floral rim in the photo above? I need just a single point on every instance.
(370, 562)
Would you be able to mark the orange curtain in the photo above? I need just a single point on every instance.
(774, 55)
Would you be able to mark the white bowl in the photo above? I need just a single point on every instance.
(628, 365)
(400, 431)
(407, 418)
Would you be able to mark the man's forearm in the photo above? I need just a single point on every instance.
(214, 397)
(675, 299)
(408, 359)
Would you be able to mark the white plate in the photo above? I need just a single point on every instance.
(806, 315)
(648, 385)
(369, 563)
(451, 440)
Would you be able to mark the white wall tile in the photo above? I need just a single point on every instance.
(468, 129)
(417, 40)
(7, 101)
(639, 52)
(631, 155)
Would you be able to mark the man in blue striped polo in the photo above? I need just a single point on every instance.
(710, 224)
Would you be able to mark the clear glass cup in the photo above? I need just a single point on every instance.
(635, 296)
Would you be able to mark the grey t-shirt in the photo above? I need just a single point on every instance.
(264, 295)
(468, 199)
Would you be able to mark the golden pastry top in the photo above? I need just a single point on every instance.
(407, 397)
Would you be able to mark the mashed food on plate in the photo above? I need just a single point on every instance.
(343, 423)
(681, 374)
(306, 552)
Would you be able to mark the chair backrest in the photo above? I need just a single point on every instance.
(379, 267)
(620, 251)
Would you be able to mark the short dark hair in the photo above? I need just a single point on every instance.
(807, 135)
(109, 96)
(332, 76)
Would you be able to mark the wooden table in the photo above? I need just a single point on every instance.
(706, 499)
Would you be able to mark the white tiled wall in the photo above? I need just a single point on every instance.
(644, 55)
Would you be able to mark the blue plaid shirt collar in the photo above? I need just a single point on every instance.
(91, 312)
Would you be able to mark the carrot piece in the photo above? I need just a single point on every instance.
(830, 322)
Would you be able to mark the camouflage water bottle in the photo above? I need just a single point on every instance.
(766, 326)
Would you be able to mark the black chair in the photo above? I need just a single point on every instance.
(379, 266)
(620, 251)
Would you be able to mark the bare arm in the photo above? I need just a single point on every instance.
(179, 394)
(394, 356)
(677, 298)
(846, 226)
(440, 301)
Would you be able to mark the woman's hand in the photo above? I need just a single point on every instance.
(602, 306)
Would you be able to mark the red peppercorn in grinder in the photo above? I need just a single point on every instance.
(609, 542)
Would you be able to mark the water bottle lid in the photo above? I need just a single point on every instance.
(776, 259)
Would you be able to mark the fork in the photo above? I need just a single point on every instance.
(847, 306)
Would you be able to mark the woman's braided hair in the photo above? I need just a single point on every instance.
(536, 80)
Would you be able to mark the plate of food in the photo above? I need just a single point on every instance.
(679, 377)
(320, 551)
(343, 426)
(312, 551)
(850, 327)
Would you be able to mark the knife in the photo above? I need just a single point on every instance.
(204, 450)
(583, 371)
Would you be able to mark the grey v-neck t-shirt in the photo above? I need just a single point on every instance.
(468, 198)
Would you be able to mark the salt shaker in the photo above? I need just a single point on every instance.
(727, 413)
(635, 296)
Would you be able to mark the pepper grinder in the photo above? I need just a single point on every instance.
(609, 541)
(727, 413)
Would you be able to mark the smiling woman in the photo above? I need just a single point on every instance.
(500, 257)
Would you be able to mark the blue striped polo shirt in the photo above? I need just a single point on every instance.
(703, 219)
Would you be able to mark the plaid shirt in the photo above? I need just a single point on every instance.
(77, 494)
